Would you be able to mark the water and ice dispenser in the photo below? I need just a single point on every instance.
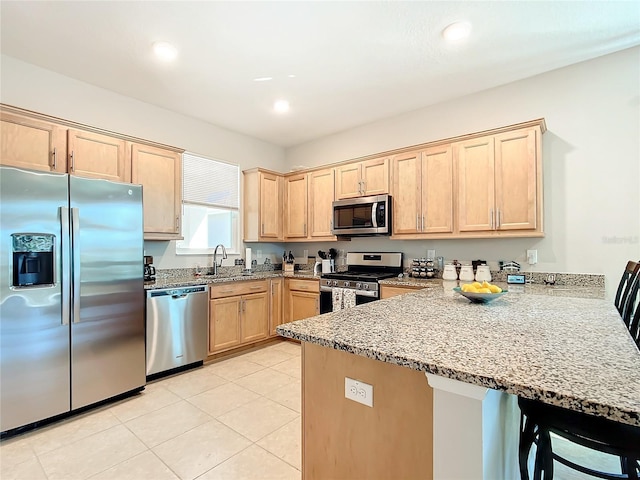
(33, 259)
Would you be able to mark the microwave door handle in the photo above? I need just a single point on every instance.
(374, 215)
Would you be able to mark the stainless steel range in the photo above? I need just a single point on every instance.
(364, 270)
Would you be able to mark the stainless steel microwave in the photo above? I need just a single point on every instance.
(363, 216)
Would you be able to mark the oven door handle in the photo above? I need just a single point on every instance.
(374, 215)
(325, 289)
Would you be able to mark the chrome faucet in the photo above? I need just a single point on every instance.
(215, 258)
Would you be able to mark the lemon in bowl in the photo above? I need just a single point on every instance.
(477, 292)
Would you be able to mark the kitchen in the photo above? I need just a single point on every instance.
(578, 103)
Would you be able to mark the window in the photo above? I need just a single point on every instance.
(210, 205)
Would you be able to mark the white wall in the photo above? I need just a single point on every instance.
(591, 157)
(28, 86)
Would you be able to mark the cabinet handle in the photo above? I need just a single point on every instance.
(499, 221)
(272, 291)
(73, 166)
(364, 187)
(422, 226)
(54, 158)
(417, 222)
(317, 305)
(263, 229)
(491, 218)
(255, 288)
(305, 229)
(227, 291)
(244, 305)
(177, 223)
(303, 288)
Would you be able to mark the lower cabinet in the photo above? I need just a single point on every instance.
(302, 299)
(388, 291)
(276, 304)
(238, 314)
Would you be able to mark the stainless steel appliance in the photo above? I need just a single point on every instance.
(362, 217)
(71, 293)
(364, 270)
(177, 327)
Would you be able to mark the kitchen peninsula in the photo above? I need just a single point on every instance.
(461, 421)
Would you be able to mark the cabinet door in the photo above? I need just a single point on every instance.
(375, 176)
(159, 172)
(303, 305)
(270, 206)
(437, 190)
(321, 185)
(388, 291)
(32, 144)
(275, 305)
(224, 323)
(516, 180)
(98, 156)
(255, 317)
(348, 181)
(476, 202)
(406, 193)
(296, 206)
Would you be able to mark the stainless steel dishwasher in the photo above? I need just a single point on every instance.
(177, 327)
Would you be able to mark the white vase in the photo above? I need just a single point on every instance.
(466, 273)
(483, 273)
(449, 273)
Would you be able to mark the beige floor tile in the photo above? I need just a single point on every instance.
(256, 419)
(286, 443)
(145, 466)
(200, 449)
(290, 396)
(234, 368)
(168, 422)
(72, 430)
(152, 398)
(292, 367)
(16, 450)
(251, 464)
(267, 356)
(28, 470)
(265, 381)
(91, 455)
(289, 347)
(188, 384)
(223, 399)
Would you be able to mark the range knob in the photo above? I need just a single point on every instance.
(358, 285)
(365, 286)
(335, 283)
(347, 284)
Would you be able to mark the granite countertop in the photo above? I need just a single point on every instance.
(567, 351)
(189, 280)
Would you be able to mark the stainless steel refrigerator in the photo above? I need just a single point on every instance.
(71, 293)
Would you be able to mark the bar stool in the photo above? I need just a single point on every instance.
(631, 311)
(626, 283)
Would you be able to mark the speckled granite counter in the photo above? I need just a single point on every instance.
(186, 281)
(572, 352)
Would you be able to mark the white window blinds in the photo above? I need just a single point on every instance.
(209, 182)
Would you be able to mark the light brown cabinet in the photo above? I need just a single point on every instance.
(33, 144)
(370, 177)
(159, 171)
(320, 198)
(263, 200)
(94, 155)
(295, 206)
(388, 291)
(499, 182)
(276, 305)
(238, 314)
(302, 299)
(423, 192)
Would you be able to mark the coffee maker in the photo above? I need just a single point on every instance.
(149, 269)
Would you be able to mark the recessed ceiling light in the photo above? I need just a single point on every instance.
(291, 76)
(262, 79)
(165, 51)
(281, 106)
(457, 31)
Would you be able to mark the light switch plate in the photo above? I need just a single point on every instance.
(358, 391)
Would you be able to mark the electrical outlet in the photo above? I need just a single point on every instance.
(358, 391)
(259, 253)
(431, 254)
(532, 257)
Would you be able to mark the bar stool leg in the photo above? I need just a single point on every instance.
(527, 436)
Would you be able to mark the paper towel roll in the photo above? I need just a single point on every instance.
(247, 257)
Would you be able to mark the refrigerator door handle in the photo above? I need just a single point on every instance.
(75, 265)
(65, 253)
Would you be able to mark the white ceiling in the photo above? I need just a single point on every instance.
(355, 62)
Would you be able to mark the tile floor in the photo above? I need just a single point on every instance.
(234, 419)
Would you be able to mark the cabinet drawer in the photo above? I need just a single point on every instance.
(304, 285)
(238, 288)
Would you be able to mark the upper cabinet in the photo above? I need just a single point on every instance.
(159, 171)
(32, 144)
(499, 183)
(263, 196)
(94, 155)
(423, 192)
(295, 206)
(359, 179)
(321, 195)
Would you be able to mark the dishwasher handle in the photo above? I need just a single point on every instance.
(177, 292)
